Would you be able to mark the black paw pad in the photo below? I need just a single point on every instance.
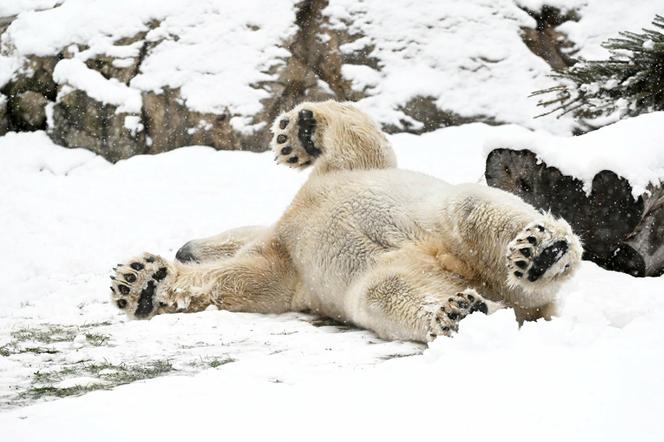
(480, 307)
(283, 123)
(281, 139)
(546, 259)
(453, 316)
(129, 277)
(521, 264)
(136, 266)
(532, 240)
(123, 289)
(121, 303)
(286, 150)
(293, 160)
(518, 274)
(145, 301)
(160, 274)
(307, 123)
(525, 252)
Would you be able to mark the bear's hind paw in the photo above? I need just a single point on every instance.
(446, 317)
(137, 286)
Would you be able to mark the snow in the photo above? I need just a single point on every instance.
(222, 51)
(75, 74)
(594, 373)
(449, 50)
(602, 20)
(14, 7)
(215, 51)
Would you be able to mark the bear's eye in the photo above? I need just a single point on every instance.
(122, 303)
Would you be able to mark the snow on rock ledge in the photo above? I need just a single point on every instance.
(216, 72)
(77, 75)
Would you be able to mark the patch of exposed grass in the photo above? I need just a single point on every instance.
(46, 335)
(214, 363)
(97, 339)
(27, 340)
(50, 391)
(124, 374)
(13, 348)
(109, 376)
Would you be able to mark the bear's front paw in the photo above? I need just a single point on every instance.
(545, 250)
(294, 141)
(446, 317)
(137, 286)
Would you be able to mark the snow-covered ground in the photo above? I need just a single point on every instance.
(67, 216)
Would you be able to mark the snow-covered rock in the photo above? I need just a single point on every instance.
(215, 72)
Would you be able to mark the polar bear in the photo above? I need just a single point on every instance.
(394, 251)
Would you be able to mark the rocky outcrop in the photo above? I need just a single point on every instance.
(80, 121)
(546, 41)
(4, 119)
(28, 93)
(324, 43)
(170, 123)
(618, 232)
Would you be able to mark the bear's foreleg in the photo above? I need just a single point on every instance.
(260, 282)
(521, 253)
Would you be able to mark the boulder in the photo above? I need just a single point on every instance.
(31, 88)
(80, 121)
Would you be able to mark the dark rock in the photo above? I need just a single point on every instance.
(28, 110)
(424, 110)
(80, 121)
(28, 93)
(4, 117)
(618, 232)
(5, 22)
(170, 124)
(546, 41)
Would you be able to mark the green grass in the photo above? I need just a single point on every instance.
(214, 363)
(109, 376)
(97, 339)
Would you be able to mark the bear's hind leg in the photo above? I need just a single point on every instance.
(221, 246)
(260, 281)
(409, 304)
